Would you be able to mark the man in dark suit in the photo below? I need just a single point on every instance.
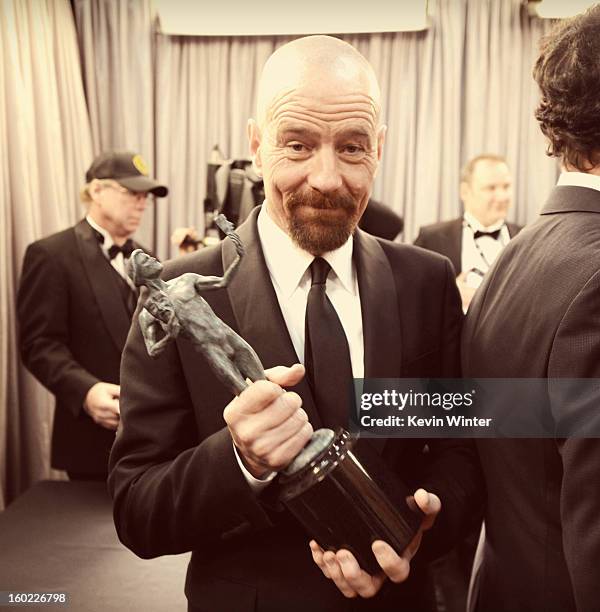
(74, 308)
(473, 241)
(195, 469)
(537, 316)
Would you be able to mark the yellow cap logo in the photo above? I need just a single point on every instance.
(140, 164)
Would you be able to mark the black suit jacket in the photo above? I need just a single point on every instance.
(537, 315)
(174, 476)
(446, 238)
(73, 323)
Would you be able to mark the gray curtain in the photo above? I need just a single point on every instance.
(44, 148)
(460, 88)
(500, 95)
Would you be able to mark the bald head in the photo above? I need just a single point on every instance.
(317, 140)
(317, 64)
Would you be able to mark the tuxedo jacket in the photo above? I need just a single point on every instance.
(537, 315)
(73, 323)
(446, 238)
(175, 480)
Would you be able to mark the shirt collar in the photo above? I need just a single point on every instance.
(579, 179)
(287, 262)
(476, 226)
(108, 241)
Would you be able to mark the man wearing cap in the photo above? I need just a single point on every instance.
(74, 308)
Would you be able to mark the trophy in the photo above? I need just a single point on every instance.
(339, 499)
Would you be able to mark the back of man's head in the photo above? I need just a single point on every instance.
(568, 74)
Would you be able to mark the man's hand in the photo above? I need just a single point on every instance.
(466, 292)
(268, 425)
(102, 404)
(352, 581)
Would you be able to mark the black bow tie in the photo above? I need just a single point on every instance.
(495, 234)
(127, 248)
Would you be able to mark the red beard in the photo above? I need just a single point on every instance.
(318, 223)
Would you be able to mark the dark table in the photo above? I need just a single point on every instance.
(59, 536)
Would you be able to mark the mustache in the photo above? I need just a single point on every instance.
(317, 200)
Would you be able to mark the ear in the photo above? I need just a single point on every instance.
(380, 141)
(254, 140)
(94, 190)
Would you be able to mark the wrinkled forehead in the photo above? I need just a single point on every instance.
(321, 78)
(304, 111)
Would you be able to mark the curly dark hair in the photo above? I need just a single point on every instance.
(568, 74)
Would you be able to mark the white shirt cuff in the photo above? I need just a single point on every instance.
(256, 484)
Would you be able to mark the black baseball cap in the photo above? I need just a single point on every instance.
(128, 169)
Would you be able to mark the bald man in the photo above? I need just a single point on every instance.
(195, 469)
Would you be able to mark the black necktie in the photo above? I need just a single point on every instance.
(326, 353)
(495, 234)
(126, 248)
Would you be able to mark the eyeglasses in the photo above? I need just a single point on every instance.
(129, 192)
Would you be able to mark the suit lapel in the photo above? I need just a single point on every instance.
(379, 305)
(380, 316)
(257, 312)
(104, 285)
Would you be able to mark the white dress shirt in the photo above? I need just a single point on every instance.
(480, 254)
(117, 262)
(288, 267)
